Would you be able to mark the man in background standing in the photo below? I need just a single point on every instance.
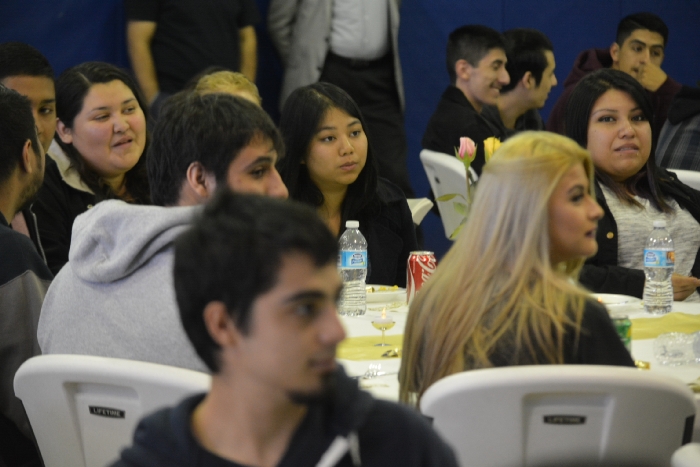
(171, 41)
(354, 45)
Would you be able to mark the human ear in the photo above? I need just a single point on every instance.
(220, 325)
(65, 133)
(463, 69)
(27, 156)
(615, 52)
(528, 80)
(199, 180)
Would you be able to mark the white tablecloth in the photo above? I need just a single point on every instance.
(387, 386)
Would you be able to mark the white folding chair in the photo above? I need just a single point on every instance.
(689, 177)
(687, 456)
(84, 409)
(419, 208)
(565, 415)
(447, 176)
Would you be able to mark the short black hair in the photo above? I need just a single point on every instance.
(578, 113)
(525, 50)
(72, 86)
(16, 127)
(233, 253)
(471, 43)
(302, 115)
(20, 59)
(643, 20)
(211, 129)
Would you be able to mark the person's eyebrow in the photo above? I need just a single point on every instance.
(330, 127)
(604, 110)
(261, 160)
(305, 295)
(47, 101)
(106, 107)
(575, 188)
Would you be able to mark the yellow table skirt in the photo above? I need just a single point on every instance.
(650, 328)
(362, 348)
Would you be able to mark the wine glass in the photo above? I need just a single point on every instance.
(383, 325)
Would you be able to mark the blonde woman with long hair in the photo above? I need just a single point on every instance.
(506, 292)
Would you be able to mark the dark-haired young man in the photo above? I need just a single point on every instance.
(24, 276)
(257, 286)
(638, 50)
(531, 69)
(476, 63)
(24, 69)
(121, 255)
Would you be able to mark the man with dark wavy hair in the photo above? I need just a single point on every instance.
(121, 254)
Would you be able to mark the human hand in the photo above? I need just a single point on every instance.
(651, 76)
(683, 286)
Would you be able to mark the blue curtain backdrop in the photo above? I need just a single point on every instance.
(69, 32)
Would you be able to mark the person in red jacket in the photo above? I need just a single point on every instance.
(639, 52)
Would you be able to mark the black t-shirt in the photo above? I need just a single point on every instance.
(192, 35)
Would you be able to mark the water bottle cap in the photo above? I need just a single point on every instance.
(659, 224)
(352, 224)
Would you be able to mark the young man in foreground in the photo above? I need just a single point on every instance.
(257, 286)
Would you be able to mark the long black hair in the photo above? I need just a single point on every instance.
(302, 115)
(578, 113)
(71, 88)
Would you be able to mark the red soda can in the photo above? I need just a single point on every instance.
(421, 265)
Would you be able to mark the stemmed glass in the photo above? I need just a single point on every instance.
(383, 324)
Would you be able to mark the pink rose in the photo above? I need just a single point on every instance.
(467, 148)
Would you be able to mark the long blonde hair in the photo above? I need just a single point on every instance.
(496, 292)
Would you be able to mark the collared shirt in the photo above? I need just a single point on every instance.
(360, 29)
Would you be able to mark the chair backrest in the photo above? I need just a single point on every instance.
(687, 456)
(572, 415)
(419, 208)
(447, 176)
(84, 409)
(689, 177)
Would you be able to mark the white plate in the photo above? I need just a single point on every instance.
(385, 293)
(616, 303)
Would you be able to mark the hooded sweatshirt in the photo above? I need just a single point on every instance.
(115, 296)
(591, 60)
(349, 429)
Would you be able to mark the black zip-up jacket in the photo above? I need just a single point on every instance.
(380, 433)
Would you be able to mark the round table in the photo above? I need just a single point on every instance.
(361, 337)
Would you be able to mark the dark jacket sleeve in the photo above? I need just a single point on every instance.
(454, 118)
(598, 342)
(391, 236)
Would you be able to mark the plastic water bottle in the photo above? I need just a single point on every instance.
(659, 259)
(352, 263)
